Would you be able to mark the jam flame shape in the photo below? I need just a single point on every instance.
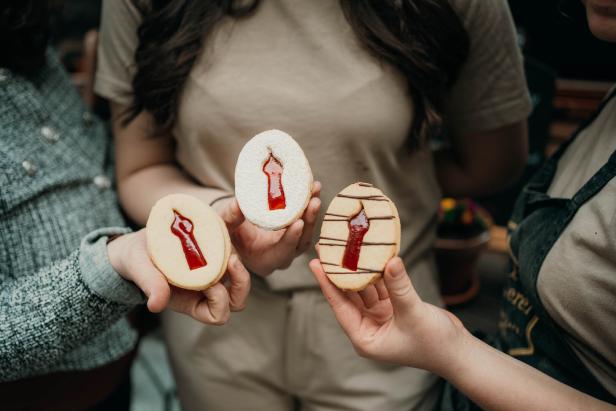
(358, 227)
(272, 168)
(183, 229)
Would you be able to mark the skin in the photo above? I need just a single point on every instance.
(389, 322)
(482, 163)
(129, 258)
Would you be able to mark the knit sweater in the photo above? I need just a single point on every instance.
(62, 306)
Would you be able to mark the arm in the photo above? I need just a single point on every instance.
(146, 171)
(482, 163)
(46, 314)
(487, 107)
(389, 322)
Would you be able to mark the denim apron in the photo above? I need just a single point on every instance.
(526, 330)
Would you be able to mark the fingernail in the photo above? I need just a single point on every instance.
(397, 268)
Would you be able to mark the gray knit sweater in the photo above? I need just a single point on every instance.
(62, 306)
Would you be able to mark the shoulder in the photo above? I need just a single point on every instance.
(123, 10)
(470, 10)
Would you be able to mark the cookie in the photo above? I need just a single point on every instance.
(188, 242)
(359, 235)
(273, 180)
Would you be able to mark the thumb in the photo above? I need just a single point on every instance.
(232, 215)
(401, 291)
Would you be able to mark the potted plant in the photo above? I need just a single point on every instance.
(462, 234)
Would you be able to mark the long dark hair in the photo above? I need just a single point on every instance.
(424, 39)
(24, 33)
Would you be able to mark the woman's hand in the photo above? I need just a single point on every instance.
(389, 322)
(264, 251)
(129, 258)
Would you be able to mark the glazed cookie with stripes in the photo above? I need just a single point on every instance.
(359, 235)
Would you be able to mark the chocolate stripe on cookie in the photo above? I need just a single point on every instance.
(365, 185)
(391, 217)
(362, 244)
(367, 270)
(366, 198)
(332, 239)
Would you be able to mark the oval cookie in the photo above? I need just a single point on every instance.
(273, 180)
(188, 242)
(359, 235)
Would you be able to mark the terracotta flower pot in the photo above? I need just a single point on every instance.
(456, 260)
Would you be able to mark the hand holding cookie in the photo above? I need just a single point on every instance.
(388, 321)
(129, 258)
(278, 198)
(264, 251)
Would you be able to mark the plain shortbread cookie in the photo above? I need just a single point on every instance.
(165, 247)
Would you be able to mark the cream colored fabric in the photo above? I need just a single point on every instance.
(286, 346)
(577, 281)
(295, 65)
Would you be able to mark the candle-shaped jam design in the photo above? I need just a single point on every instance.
(358, 227)
(183, 228)
(275, 193)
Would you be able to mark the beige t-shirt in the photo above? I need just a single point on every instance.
(577, 281)
(296, 65)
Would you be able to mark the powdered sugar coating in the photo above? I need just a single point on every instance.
(251, 185)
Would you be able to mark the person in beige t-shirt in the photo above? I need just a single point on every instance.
(360, 111)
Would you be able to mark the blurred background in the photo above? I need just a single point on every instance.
(472, 246)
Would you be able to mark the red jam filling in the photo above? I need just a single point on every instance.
(358, 227)
(183, 228)
(275, 194)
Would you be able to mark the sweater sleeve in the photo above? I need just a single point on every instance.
(46, 314)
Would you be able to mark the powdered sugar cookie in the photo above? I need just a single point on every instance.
(188, 242)
(273, 180)
(359, 235)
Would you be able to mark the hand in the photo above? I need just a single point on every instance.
(129, 258)
(389, 322)
(264, 251)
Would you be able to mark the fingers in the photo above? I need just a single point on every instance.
(369, 296)
(347, 314)
(152, 283)
(232, 215)
(401, 292)
(316, 189)
(139, 269)
(239, 285)
(310, 218)
(210, 306)
(381, 290)
(287, 245)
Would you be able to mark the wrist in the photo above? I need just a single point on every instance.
(114, 253)
(458, 354)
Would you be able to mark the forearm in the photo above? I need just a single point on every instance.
(497, 381)
(139, 191)
(45, 315)
(483, 163)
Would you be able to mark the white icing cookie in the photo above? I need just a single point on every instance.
(273, 180)
(188, 242)
(359, 235)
